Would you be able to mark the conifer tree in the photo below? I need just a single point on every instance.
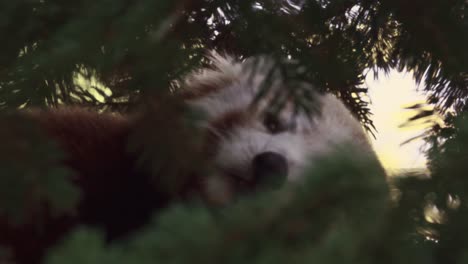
(116, 55)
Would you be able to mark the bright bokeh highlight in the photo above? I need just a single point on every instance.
(389, 95)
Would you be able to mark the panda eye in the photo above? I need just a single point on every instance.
(274, 124)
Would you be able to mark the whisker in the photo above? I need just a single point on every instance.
(213, 130)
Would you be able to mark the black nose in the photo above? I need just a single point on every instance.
(270, 169)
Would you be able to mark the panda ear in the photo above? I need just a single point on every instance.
(193, 90)
(221, 71)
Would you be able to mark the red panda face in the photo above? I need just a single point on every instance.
(251, 147)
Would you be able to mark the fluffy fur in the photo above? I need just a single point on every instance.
(225, 92)
(115, 195)
(119, 198)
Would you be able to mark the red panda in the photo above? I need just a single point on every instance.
(247, 147)
(115, 195)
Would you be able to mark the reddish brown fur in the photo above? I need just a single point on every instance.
(115, 195)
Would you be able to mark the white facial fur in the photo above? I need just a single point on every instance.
(236, 89)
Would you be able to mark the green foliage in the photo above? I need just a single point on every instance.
(300, 223)
(136, 47)
(31, 172)
(86, 247)
(114, 55)
(343, 212)
(448, 188)
(159, 147)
